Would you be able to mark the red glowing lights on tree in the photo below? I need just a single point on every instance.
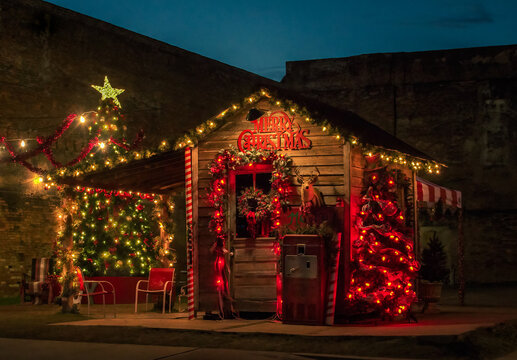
(384, 263)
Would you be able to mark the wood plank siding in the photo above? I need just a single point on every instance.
(254, 265)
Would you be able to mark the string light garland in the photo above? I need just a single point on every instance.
(46, 143)
(201, 131)
(219, 168)
(387, 155)
(384, 266)
(163, 215)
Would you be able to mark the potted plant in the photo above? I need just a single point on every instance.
(433, 272)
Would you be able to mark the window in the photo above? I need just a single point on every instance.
(258, 179)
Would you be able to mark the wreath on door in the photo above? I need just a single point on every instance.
(255, 207)
(254, 203)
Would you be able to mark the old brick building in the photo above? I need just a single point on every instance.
(459, 106)
(49, 57)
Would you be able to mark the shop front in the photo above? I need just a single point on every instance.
(279, 195)
(292, 208)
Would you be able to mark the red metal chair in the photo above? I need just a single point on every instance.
(85, 290)
(161, 280)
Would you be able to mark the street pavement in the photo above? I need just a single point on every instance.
(511, 356)
(24, 349)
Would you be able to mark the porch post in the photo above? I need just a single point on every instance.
(190, 242)
(461, 262)
(416, 229)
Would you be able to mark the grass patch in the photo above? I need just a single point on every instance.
(9, 300)
(490, 342)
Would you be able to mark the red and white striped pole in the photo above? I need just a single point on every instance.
(190, 242)
(332, 287)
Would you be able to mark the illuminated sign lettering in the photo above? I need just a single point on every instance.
(276, 131)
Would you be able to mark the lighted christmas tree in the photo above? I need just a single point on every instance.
(115, 232)
(384, 265)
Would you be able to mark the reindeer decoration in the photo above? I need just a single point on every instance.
(311, 197)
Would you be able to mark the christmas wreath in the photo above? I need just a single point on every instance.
(255, 206)
(254, 203)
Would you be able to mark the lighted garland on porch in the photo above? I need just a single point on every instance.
(231, 159)
(386, 155)
(384, 265)
(163, 214)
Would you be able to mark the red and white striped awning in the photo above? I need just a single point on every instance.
(431, 193)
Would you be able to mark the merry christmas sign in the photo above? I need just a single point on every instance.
(274, 131)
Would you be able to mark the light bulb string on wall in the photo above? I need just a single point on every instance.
(45, 146)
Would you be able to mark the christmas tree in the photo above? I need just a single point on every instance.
(434, 261)
(115, 232)
(384, 263)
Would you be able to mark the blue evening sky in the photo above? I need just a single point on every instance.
(260, 36)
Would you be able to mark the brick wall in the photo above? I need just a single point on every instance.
(459, 106)
(28, 230)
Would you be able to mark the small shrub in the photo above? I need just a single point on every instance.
(434, 261)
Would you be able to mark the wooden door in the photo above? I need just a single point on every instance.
(253, 265)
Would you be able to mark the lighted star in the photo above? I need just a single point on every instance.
(108, 92)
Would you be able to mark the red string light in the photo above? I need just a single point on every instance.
(384, 264)
(219, 168)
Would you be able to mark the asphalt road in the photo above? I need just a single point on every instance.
(23, 349)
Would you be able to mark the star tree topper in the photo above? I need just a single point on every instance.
(108, 92)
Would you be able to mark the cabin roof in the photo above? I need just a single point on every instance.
(352, 124)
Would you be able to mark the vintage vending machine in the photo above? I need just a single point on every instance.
(304, 279)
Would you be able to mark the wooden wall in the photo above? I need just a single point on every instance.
(327, 153)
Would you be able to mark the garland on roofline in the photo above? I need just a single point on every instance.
(387, 155)
(200, 132)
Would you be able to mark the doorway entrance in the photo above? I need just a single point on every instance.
(254, 263)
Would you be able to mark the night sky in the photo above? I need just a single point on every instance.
(260, 36)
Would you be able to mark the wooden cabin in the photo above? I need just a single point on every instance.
(328, 147)
(323, 142)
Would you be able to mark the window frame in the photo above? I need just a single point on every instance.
(242, 170)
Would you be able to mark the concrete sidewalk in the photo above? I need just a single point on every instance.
(452, 320)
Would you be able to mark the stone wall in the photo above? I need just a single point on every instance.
(49, 57)
(459, 106)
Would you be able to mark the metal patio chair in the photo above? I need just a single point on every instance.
(96, 287)
(161, 281)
